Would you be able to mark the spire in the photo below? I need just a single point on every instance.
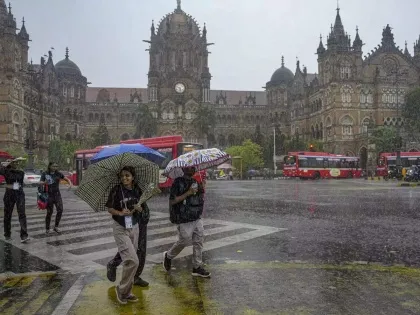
(23, 33)
(67, 53)
(204, 31)
(298, 65)
(338, 26)
(388, 38)
(321, 48)
(152, 29)
(10, 8)
(178, 7)
(357, 44)
(282, 61)
(406, 52)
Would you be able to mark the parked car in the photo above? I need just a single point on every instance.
(31, 178)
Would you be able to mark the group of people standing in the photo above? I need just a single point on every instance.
(186, 203)
(15, 196)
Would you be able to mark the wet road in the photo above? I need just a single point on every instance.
(273, 247)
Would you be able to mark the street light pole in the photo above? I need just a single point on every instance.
(274, 150)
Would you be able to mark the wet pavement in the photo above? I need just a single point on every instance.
(273, 247)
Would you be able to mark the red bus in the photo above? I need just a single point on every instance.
(387, 160)
(3, 157)
(171, 147)
(321, 165)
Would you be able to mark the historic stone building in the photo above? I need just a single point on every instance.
(335, 106)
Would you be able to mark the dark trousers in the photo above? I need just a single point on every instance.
(141, 251)
(56, 200)
(10, 199)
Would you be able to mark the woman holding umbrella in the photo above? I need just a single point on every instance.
(122, 203)
(120, 184)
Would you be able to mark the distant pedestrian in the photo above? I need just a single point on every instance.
(51, 180)
(143, 220)
(186, 207)
(122, 203)
(230, 175)
(14, 195)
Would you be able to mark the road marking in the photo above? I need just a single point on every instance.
(87, 239)
(71, 296)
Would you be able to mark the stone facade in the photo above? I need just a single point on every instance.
(334, 106)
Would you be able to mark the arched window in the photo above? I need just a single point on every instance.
(346, 92)
(345, 70)
(365, 125)
(347, 125)
(72, 91)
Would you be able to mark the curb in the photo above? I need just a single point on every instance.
(408, 185)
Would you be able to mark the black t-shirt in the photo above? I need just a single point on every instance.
(53, 181)
(122, 198)
(13, 176)
(191, 208)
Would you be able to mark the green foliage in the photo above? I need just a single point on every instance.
(411, 111)
(385, 139)
(62, 152)
(100, 136)
(205, 119)
(146, 125)
(251, 154)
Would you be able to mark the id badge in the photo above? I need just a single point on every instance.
(128, 222)
(16, 186)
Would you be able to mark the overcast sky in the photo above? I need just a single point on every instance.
(105, 36)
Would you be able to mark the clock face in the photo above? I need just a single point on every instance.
(180, 88)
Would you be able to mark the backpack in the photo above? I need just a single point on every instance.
(190, 209)
(42, 197)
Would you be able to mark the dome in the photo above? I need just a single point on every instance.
(178, 22)
(282, 75)
(67, 66)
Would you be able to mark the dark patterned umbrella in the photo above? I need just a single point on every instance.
(101, 177)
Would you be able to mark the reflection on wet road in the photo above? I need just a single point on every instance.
(275, 247)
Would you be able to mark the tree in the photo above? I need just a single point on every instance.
(101, 135)
(146, 124)
(62, 152)
(385, 139)
(251, 154)
(411, 113)
(204, 121)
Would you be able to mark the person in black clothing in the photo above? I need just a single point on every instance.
(186, 207)
(143, 220)
(51, 179)
(14, 195)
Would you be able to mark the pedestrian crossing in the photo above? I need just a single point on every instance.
(86, 242)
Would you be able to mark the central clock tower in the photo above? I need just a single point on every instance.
(179, 76)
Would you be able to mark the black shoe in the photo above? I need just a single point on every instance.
(141, 283)
(111, 272)
(7, 238)
(200, 272)
(56, 230)
(167, 263)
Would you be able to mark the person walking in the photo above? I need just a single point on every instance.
(186, 207)
(51, 180)
(14, 195)
(122, 203)
(143, 220)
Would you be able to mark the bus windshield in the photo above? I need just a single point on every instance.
(188, 147)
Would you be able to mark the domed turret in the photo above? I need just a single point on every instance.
(282, 75)
(66, 66)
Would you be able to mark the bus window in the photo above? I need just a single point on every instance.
(290, 160)
(303, 162)
(186, 147)
(167, 152)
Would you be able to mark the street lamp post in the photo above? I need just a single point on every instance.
(370, 130)
(274, 150)
(398, 75)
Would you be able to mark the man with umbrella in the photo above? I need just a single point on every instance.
(187, 202)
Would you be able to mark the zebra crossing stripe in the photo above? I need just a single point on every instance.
(87, 238)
